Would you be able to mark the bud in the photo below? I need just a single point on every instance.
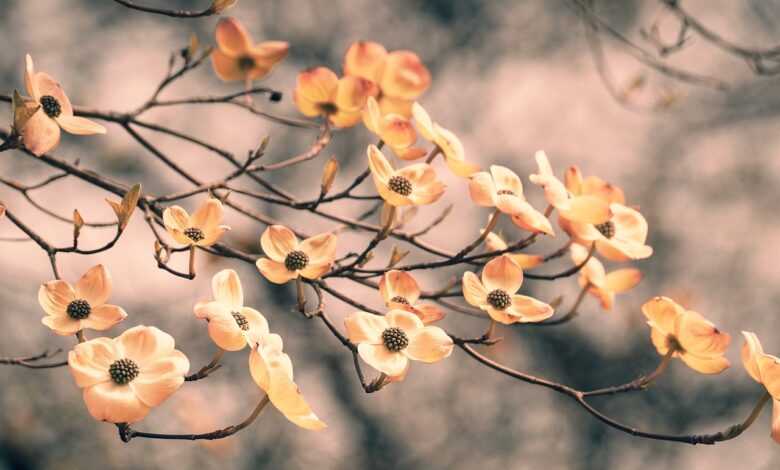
(329, 174)
(78, 222)
(218, 6)
(124, 210)
(23, 109)
(192, 49)
(396, 256)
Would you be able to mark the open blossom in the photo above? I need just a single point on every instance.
(502, 189)
(764, 369)
(622, 237)
(41, 133)
(412, 185)
(387, 343)
(400, 76)
(494, 242)
(396, 131)
(447, 142)
(320, 92)
(72, 308)
(272, 371)
(229, 320)
(236, 57)
(400, 290)
(694, 339)
(496, 293)
(288, 258)
(203, 228)
(601, 284)
(125, 377)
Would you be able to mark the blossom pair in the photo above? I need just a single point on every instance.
(237, 57)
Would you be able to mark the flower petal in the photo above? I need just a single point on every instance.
(482, 189)
(700, 337)
(277, 242)
(399, 284)
(427, 312)
(352, 93)
(750, 353)
(382, 359)
(529, 309)
(54, 297)
(705, 365)
(404, 320)
(226, 287)
(776, 420)
(176, 218)
(62, 325)
(404, 75)
(208, 216)
(317, 85)
(80, 126)
(41, 133)
(429, 344)
(145, 344)
(315, 271)
(473, 290)
(528, 218)
(114, 403)
(365, 59)
(506, 180)
(554, 190)
(160, 379)
(89, 361)
(29, 73)
(94, 286)
(364, 327)
(48, 86)
(275, 271)
(587, 209)
(232, 38)
(663, 312)
(226, 334)
(380, 167)
(104, 317)
(321, 248)
(502, 273)
(226, 67)
(622, 280)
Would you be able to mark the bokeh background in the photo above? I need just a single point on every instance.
(509, 78)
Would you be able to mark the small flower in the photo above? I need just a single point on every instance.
(400, 291)
(622, 237)
(601, 284)
(288, 258)
(319, 92)
(41, 132)
(447, 142)
(764, 369)
(125, 377)
(494, 242)
(387, 343)
(201, 229)
(236, 57)
(413, 185)
(496, 293)
(272, 370)
(400, 76)
(396, 131)
(581, 208)
(73, 308)
(502, 189)
(592, 186)
(695, 340)
(229, 320)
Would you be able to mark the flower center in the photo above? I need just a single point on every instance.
(51, 106)
(506, 191)
(674, 344)
(328, 108)
(607, 228)
(296, 260)
(194, 234)
(499, 299)
(241, 320)
(400, 300)
(395, 339)
(400, 185)
(123, 371)
(79, 309)
(246, 63)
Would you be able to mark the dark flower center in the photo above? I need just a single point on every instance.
(607, 228)
(499, 299)
(506, 191)
(296, 260)
(194, 234)
(328, 108)
(79, 309)
(241, 320)
(400, 185)
(123, 371)
(51, 106)
(674, 344)
(395, 339)
(246, 63)
(399, 300)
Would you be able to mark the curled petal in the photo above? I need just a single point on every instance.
(315, 271)
(275, 271)
(429, 344)
(398, 132)
(48, 86)
(94, 286)
(424, 122)
(114, 403)
(226, 287)
(622, 280)
(428, 193)
(587, 209)
(54, 297)
(225, 333)
(352, 93)
(619, 250)
(473, 290)
(267, 54)
(176, 218)
(62, 325)
(528, 218)
(208, 216)
(382, 359)
(502, 273)
(701, 337)
(380, 167)
(161, 379)
(705, 365)
(277, 242)
(29, 73)
(428, 313)
(364, 327)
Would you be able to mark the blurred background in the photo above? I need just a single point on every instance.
(508, 78)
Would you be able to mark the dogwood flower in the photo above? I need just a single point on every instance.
(288, 258)
(592, 186)
(396, 131)
(764, 369)
(72, 308)
(400, 290)
(203, 228)
(41, 133)
(412, 185)
(601, 284)
(229, 320)
(620, 238)
(387, 343)
(125, 377)
(319, 92)
(236, 57)
(496, 294)
(400, 76)
(447, 142)
(502, 189)
(272, 371)
(494, 242)
(690, 336)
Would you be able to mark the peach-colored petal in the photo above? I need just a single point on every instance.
(365, 59)
(382, 359)
(345, 118)
(398, 132)
(622, 280)
(528, 218)
(770, 374)
(287, 398)
(502, 273)
(232, 38)
(404, 320)
(593, 271)
(226, 287)
(104, 317)
(352, 93)
(275, 271)
(663, 312)
(573, 180)
(399, 284)
(80, 126)
(54, 297)
(48, 86)
(212, 235)
(29, 73)
(423, 122)
(225, 333)
(506, 180)
(529, 309)
(394, 105)
(705, 365)
(750, 353)
(427, 312)
(526, 261)
(380, 167)
(89, 361)
(305, 106)
(404, 75)
(145, 344)
(160, 379)
(62, 325)
(512, 205)
(211, 310)
(318, 85)
(320, 248)
(94, 286)
(427, 193)
(226, 67)
(258, 325)
(473, 290)
(776, 420)
(701, 337)
(364, 327)
(176, 218)
(267, 54)
(619, 250)
(208, 216)
(391, 197)
(277, 242)
(41, 133)
(482, 189)
(428, 344)
(587, 209)
(372, 116)
(659, 338)
(114, 403)
(315, 271)
(630, 225)
(554, 190)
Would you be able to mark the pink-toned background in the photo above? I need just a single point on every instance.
(509, 78)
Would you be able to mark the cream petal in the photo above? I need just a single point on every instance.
(382, 359)
(419, 174)
(701, 337)
(528, 218)
(423, 122)
(593, 271)
(462, 168)
(427, 312)
(320, 248)
(502, 316)
(502, 273)
(226, 67)
(226, 287)
(622, 280)
(365, 59)
(482, 189)
(404, 320)
(317, 85)
(428, 344)
(352, 93)
(306, 107)
(512, 205)
(344, 118)
(380, 167)
(750, 353)
(63, 325)
(287, 398)
(208, 216)
(145, 344)
(391, 197)
(226, 334)
(54, 297)
(41, 133)
(404, 75)
(776, 420)
(211, 310)
(630, 225)
(659, 338)
(212, 236)
(94, 286)
(619, 250)
(29, 73)
(176, 218)
(399, 284)
(104, 317)
(114, 403)
(506, 180)
(770, 374)
(315, 271)
(529, 309)
(663, 312)
(159, 380)
(274, 271)
(427, 194)
(89, 361)
(473, 290)
(364, 327)
(47, 85)
(269, 53)
(80, 126)
(277, 242)
(258, 324)
(705, 365)
(372, 116)
(587, 209)
(231, 36)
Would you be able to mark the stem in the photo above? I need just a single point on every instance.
(206, 370)
(192, 262)
(573, 311)
(487, 231)
(301, 295)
